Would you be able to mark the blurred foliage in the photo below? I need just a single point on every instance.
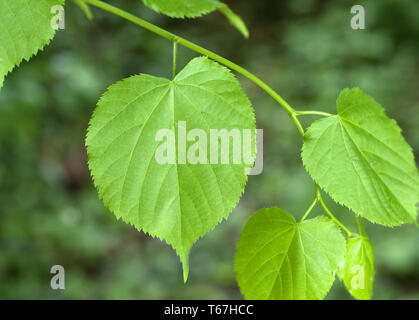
(49, 210)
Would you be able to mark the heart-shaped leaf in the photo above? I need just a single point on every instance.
(361, 159)
(174, 199)
(278, 258)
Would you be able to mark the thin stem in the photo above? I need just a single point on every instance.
(174, 59)
(318, 113)
(326, 209)
(309, 209)
(172, 37)
(360, 227)
(298, 124)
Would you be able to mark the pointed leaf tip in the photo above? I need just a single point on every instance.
(235, 20)
(185, 266)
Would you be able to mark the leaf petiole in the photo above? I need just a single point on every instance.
(309, 209)
(174, 59)
(318, 113)
(360, 227)
(194, 47)
(330, 214)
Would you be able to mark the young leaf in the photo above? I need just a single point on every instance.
(196, 8)
(175, 201)
(358, 269)
(277, 258)
(25, 28)
(361, 159)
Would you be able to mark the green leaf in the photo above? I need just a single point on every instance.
(175, 202)
(278, 258)
(25, 28)
(361, 159)
(196, 8)
(358, 269)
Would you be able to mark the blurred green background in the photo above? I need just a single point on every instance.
(305, 49)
